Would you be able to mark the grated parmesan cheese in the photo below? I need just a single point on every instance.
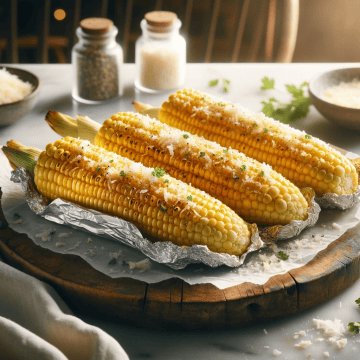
(326, 354)
(277, 352)
(12, 89)
(62, 235)
(59, 244)
(303, 344)
(344, 94)
(330, 328)
(19, 221)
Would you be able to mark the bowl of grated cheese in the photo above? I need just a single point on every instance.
(336, 95)
(19, 91)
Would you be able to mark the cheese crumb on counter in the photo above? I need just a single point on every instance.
(143, 265)
(319, 339)
(341, 343)
(44, 235)
(326, 354)
(62, 235)
(330, 328)
(89, 241)
(303, 344)
(265, 331)
(336, 226)
(266, 347)
(18, 221)
(277, 352)
(59, 244)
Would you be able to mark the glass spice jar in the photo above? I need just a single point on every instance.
(160, 53)
(96, 60)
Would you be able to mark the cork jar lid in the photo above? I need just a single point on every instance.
(160, 18)
(96, 26)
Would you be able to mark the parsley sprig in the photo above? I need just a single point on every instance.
(297, 108)
(354, 327)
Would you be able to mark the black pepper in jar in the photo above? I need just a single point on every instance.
(97, 60)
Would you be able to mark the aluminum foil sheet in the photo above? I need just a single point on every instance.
(94, 222)
(281, 232)
(343, 202)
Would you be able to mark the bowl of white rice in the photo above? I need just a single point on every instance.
(336, 95)
(19, 90)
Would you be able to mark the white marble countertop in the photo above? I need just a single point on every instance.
(242, 343)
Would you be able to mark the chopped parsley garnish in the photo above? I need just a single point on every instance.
(296, 109)
(186, 136)
(98, 169)
(266, 130)
(354, 327)
(111, 161)
(82, 147)
(166, 180)
(225, 151)
(282, 255)
(163, 208)
(213, 82)
(122, 173)
(158, 172)
(190, 198)
(262, 173)
(307, 137)
(255, 124)
(243, 167)
(201, 154)
(226, 85)
(358, 302)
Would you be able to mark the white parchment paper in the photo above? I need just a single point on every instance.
(98, 252)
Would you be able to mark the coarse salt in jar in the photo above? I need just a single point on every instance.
(160, 53)
(96, 60)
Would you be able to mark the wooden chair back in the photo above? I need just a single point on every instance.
(255, 30)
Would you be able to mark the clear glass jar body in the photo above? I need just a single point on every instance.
(160, 58)
(97, 62)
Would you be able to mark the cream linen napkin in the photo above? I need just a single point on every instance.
(35, 323)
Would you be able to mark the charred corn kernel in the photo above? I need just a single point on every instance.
(236, 180)
(270, 141)
(158, 208)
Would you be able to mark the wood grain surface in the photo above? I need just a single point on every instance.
(174, 304)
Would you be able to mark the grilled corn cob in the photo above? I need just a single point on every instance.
(253, 190)
(161, 206)
(304, 160)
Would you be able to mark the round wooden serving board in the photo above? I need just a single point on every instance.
(174, 304)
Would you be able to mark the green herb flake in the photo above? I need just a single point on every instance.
(163, 208)
(255, 124)
(225, 151)
(98, 169)
(213, 82)
(186, 136)
(262, 173)
(226, 85)
(354, 327)
(358, 302)
(262, 264)
(267, 84)
(307, 137)
(166, 180)
(266, 130)
(82, 147)
(190, 198)
(202, 154)
(158, 172)
(111, 161)
(282, 255)
(122, 173)
(243, 167)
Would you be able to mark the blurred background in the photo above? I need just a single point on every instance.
(327, 29)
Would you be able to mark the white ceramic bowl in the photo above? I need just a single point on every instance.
(10, 113)
(340, 115)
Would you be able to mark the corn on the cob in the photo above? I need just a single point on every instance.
(304, 160)
(253, 190)
(161, 206)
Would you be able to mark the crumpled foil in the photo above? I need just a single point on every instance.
(174, 256)
(334, 201)
(281, 232)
